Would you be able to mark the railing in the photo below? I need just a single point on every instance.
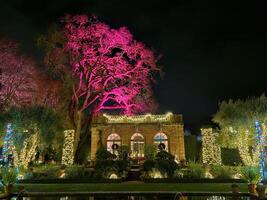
(170, 194)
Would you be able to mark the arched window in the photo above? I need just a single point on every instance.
(113, 143)
(137, 146)
(161, 141)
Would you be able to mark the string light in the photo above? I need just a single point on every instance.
(260, 143)
(9, 155)
(211, 151)
(168, 117)
(27, 156)
(67, 154)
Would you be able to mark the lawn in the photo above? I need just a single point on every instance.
(122, 187)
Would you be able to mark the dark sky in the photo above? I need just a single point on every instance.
(212, 50)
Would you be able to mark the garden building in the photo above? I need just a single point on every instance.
(163, 131)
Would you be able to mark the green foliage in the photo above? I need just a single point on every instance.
(224, 172)
(237, 117)
(103, 154)
(150, 152)
(36, 119)
(106, 165)
(104, 168)
(164, 155)
(124, 151)
(43, 172)
(8, 176)
(251, 174)
(148, 165)
(77, 171)
(195, 170)
(191, 147)
(164, 162)
(230, 157)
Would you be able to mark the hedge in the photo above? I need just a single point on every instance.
(192, 180)
(62, 181)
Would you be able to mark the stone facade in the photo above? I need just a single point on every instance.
(138, 131)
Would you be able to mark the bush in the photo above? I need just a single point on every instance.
(73, 172)
(148, 165)
(103, 154)
(8, 176)
(195, 170)
(150, 152)
(225, 172)
(251, 174)
(104, 168)
(164, 163)
(164, 155)
(43, 172)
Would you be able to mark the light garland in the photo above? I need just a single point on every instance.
(260, 144)
(26, 157)
(211, 152)
(243, 149)
(9, 152)
(67, 154)
(139, 118)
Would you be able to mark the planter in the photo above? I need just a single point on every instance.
(252, 188)
(8, 188)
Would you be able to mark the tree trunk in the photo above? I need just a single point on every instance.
(82, 140)
(78, 129)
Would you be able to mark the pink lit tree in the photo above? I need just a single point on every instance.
(21, 84)
(109, 70)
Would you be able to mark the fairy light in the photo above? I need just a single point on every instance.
(67, 154)
(211, 151)
(26, 156)
(9, 151)
(139, 118)
(260, 143)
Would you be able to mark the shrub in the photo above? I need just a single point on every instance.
(43, 172)
(150, 152)
(222, 172)
(165, 163)
(103, 154)
(195, 170)
(104, 168)
(166, 167)
(73, 172)
(8, 176)
(251, 174)
(148, 165)
(164, 155)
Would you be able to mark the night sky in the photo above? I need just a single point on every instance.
(212, 50)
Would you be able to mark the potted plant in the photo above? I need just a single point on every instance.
(253, 176)
(9, 177)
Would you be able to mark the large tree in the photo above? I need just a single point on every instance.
(237, 125)
(28, 98)
(21, 83)
(107, 68)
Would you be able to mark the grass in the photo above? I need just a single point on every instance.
(99, 187)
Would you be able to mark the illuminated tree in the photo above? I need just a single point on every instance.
(237, 125)
(108, 69)
(21, 84)
(25, 88)
(17, 74)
